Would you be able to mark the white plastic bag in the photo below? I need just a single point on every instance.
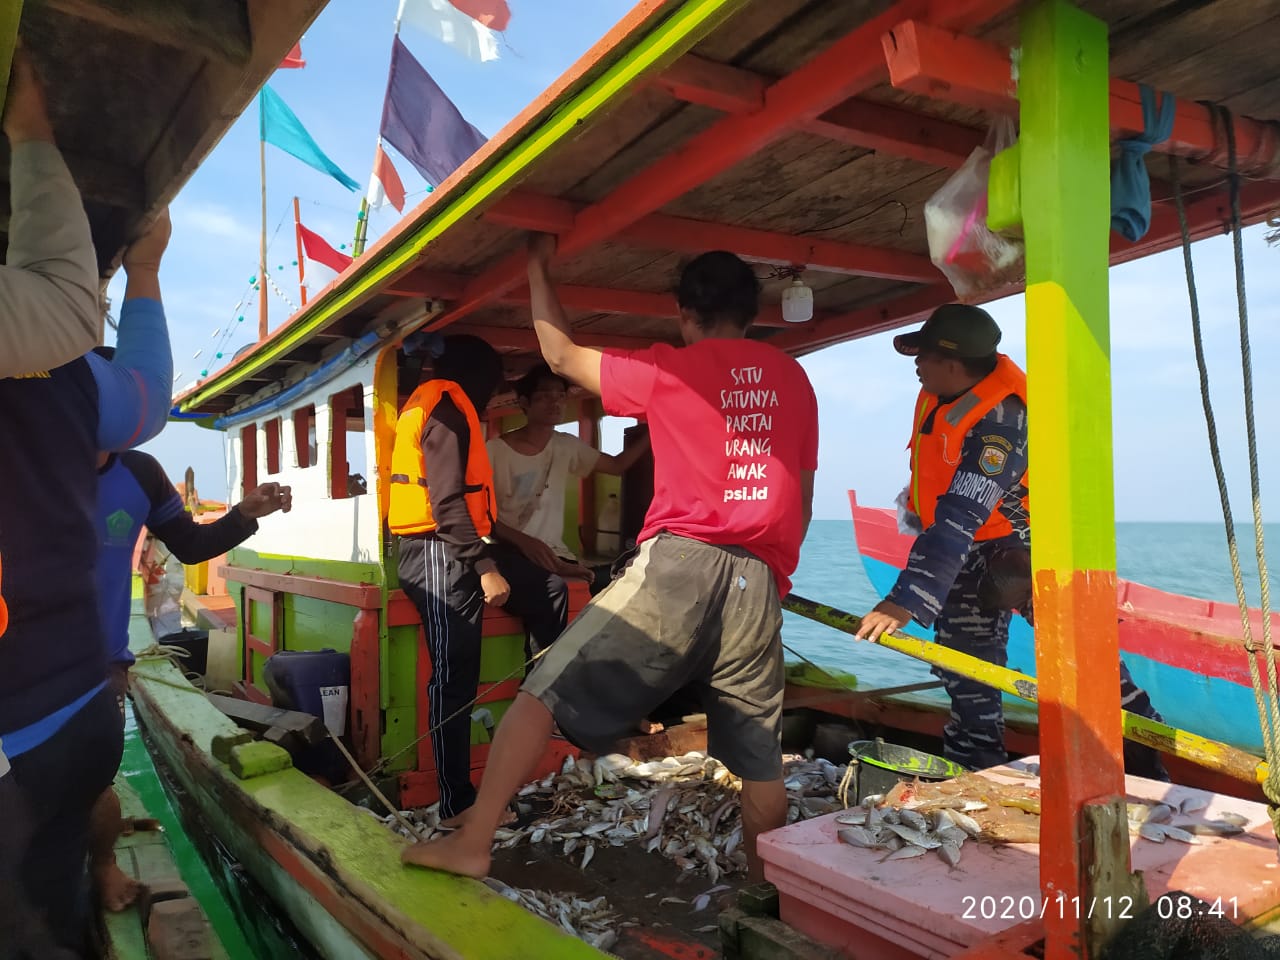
(908, 522)
(974, 259)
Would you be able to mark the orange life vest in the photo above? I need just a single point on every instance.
(936, 455)
(410, 509)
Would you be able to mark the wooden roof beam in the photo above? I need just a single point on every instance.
(932, 61)
(217, 29)
(861, 123)
(847, 67)
(523, 338)
(529, 211)
(438, 285)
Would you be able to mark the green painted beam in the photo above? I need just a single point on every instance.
(672, 37)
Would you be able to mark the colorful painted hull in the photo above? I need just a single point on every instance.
(1185, 652)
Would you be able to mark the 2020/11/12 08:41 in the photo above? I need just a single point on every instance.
(1183, 906)
(1179, 905)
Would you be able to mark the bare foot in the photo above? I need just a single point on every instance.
(457, 852)
(649, 727)
(116, 888)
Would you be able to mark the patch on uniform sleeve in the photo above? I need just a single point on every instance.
(992, 459)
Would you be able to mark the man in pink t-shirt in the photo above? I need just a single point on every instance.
(734, 428)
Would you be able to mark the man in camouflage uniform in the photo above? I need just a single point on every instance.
(969, 567)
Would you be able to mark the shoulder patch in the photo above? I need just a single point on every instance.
(992, 459)
(998, 440)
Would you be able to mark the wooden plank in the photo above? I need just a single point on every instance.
(262, 718)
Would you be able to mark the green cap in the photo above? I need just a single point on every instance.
(954, 329)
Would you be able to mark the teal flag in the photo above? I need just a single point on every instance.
(278, 126)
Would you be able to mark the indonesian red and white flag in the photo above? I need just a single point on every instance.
(294, 60)
(318, 249)
(494, 14)
(385, 185)
(442, 20)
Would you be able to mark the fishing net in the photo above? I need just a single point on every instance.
(1180, 926)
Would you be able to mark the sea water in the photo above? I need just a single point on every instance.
(1185, 558)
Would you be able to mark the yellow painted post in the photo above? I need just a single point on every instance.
(1065, 189)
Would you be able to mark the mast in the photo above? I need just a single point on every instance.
(362, 218)
(302, 270)
(262, 243)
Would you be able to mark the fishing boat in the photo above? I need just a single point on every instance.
(794, 133)
(1187, 653)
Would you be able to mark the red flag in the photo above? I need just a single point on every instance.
(294, 60)
(319, 250)
(386, 185)
(494, 14)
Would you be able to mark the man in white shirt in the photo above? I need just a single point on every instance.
(531, 469)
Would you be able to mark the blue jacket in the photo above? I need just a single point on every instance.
(52, 425)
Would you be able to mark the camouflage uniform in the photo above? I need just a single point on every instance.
(941, 583)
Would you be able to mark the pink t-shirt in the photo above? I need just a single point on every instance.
(733, 424)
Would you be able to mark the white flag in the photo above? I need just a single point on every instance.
(442, 20)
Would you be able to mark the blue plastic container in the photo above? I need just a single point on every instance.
(317, 682)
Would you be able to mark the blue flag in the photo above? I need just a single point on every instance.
(278, 126)
(422, 123)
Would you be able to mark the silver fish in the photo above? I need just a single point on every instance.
(950, 854)
(586, 857)
(873, 799)
(913, 820)
(854, 817)
(1237, 819)
(905, 853)
(857, 837)
(952, 835)
(965, 822)
(891, 816)
(1193, 804)
(915, 837)
(1212, 828)
(1152, 831)
(971, 806)
(1176, 833)
(1160, 813)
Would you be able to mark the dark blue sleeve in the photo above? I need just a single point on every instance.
(992, 463)
(134, 388)
(163, 500)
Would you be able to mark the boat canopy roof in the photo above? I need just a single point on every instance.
(796, 133)
(140, 92)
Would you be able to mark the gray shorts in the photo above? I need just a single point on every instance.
(683, 614)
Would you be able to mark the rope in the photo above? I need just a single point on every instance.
(373, 787)
(1264, 692)
(384, 761)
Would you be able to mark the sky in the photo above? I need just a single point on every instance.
(865, 391)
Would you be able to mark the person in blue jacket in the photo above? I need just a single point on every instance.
(133, 490)
(58, 717)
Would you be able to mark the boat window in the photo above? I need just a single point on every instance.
(272, 430)
(347, 463)
(304, 436)
(248, 459)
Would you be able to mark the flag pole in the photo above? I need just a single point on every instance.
(262, 243)
(362, 218)
(297, 233)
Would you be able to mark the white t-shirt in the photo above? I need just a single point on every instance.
(531, 490)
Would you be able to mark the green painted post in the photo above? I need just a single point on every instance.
(1065, 202)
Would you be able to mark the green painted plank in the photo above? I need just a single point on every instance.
(459, 914)
(668, 40)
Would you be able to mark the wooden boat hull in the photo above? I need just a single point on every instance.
(1185, 652)
(334, 870)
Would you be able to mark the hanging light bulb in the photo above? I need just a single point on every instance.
(797, 301)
